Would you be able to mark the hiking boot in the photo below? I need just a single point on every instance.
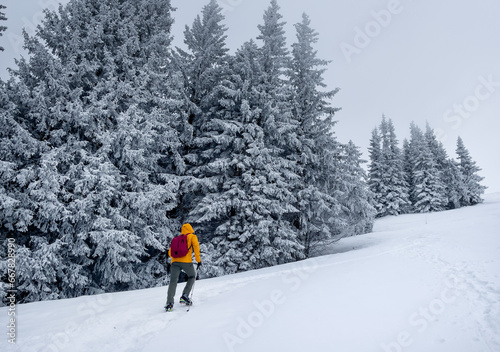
(169, 307)
(185, 300)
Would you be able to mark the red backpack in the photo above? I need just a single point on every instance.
(179, 246)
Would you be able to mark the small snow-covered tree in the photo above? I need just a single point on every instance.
(444, 169)
(454, 184)
(387, 179)
(471, 180)
(375, 170)
(357, 199)
(396, 191)
(428, 192)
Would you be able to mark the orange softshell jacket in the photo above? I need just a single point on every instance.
(193, 244)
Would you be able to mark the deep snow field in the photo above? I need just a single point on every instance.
(424, 282)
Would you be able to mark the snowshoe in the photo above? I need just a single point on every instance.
(185, 300)
(169, 307)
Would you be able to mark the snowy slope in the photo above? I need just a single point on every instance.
(426, 282)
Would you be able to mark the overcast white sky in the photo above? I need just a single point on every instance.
(426, 60)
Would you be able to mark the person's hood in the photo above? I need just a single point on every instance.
(186, 229)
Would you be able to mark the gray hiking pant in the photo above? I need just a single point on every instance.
(175, 271)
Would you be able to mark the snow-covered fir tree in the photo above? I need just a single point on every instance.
(395, 187)
(471, 179)
(274, 58)
(428, 192)
(45, 264)
(249, 199)
(204, 65)
(375, 169)
(275, 119)
(387, 178)
(446, 169)
(251, 205)
(18, 153)
(407, 170)
(357, 199)
(454, 184)
(314, 147)
(96, 93)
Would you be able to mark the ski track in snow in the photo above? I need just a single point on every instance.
(376, 287)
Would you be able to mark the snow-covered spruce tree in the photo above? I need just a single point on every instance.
(44, 266)
(275, 92)
(249, 200)
(95, 91)
(356, 199)
(204, 66)
(446, 169)
(250, 207)
(275, 117)
(277, 241)
(18, 152)
(387, 179)
(471, 180)
(428, 192)
(313, 147)
(375, 170)
(454, 184)
(407, 170)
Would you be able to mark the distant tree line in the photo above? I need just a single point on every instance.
(420, 177)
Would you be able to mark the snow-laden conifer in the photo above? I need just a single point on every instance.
(356, 199)
(428, 192)
(454, 185)
(96, 90)
(375, 170)
(314, 147)
(387, 179)
(204, 64)
(442, 162)
(469, 172)
(250, 207)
